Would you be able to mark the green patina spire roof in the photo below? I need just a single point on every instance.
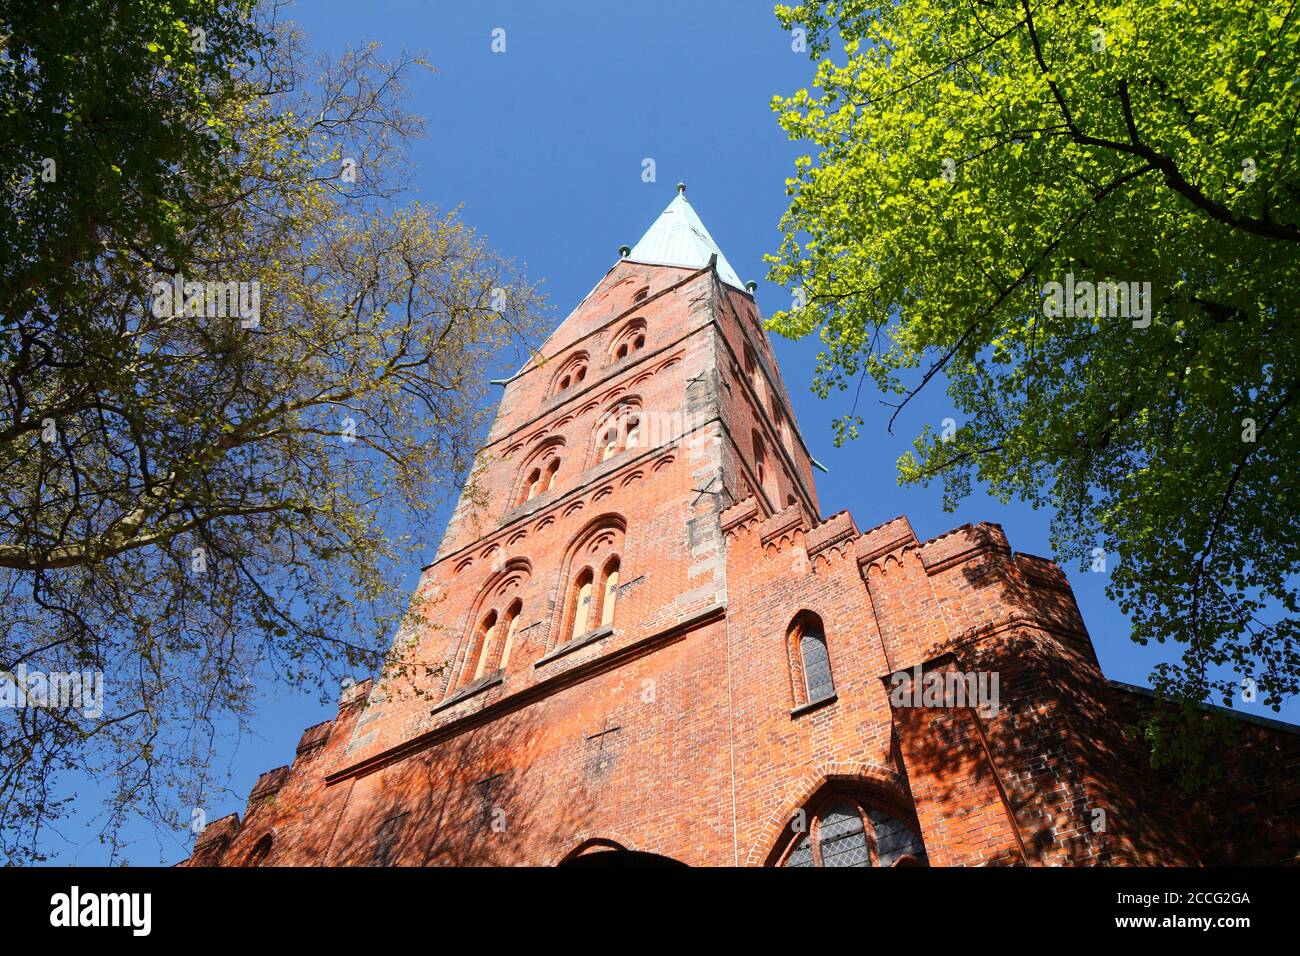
(678, 238)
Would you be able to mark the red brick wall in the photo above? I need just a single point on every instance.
(684, 729)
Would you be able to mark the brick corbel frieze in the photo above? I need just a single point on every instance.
(740, 516)
(836, 532)
(782, 528)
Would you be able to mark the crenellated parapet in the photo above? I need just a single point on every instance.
(278, 796)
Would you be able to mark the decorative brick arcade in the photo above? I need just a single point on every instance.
(649, 644)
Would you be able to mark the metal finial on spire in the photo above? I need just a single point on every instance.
(681, 188)
(624, 251)
(751, 286)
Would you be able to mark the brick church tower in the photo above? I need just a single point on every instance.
(639, 639)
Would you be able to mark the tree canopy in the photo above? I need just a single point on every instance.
(237, 378)
(1083, 219)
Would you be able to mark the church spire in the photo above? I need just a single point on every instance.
(678, 238)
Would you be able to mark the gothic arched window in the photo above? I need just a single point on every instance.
(513, 615)
(847, 832)
(630, 339)
(582, 593)
(260, 853)
(618, 429)
(609, 593)
(755, 375)
(571, 373)
(539, 470)
(760, 461)
(482, 645)
(593, 569)
(816, 664)
(809, 660)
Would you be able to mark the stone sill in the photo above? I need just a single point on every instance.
(813, 705)
(578, 642)
(469, 690)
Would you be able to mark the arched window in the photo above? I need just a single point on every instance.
(783, 429)
(532, 485)
(816, 664)
(592, 568)
(760, 461)
(512, 625)
(609, 593)
(483, 645)
(582, 587)
(810, 662)
(846, 832)
(539, 470)
(260, 853)
(755, 374)
(630, 339)
(492, 627)
(609, 443)
(571, 373)
(618, 429)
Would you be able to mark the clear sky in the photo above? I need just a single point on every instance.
(543, 146)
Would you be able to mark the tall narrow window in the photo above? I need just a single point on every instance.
(755, 375)
(633, 430)
(816, 662)
(548, 482)
(514, 614)
(532, 485)
(609, 443)
(760, 461)
(582, 605)
(484, 644)
(260, 852)
(610, 595)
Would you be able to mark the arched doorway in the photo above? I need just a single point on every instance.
(600, 852)
(620, 857)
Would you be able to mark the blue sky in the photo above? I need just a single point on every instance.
(543, 147)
